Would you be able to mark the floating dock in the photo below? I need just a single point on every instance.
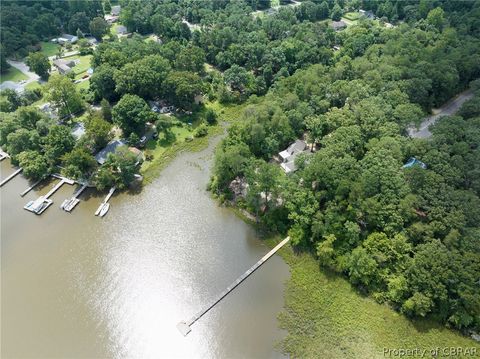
(43, 202)
(11, 176)
(184, 326)
(69, 204)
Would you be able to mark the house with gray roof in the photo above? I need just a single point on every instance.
(338, 25)
(111, 147)
(287, 157)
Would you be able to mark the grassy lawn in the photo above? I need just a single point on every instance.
(81, 68)
(326, 318)
(352, 16)
(49, 48)
(13, 74)
(33, 85)
(349, 22)
(83, 85)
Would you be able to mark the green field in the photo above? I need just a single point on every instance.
(326, 318)
(49, 48)
(352, 16)
(13, 74)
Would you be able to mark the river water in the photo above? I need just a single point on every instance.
(78, 286)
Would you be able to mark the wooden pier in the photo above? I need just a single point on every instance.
(11, 176)
(184, 326)
(31, 187)
(104, 206)
(3, 155)
(58, 185)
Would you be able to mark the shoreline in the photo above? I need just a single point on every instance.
(324, 306)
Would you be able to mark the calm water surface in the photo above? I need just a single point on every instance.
(77, 286)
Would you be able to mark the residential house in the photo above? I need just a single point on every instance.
(64, 66)
(116, 10)
(78, 130)
(367, 14)
(121, 30)
(287, 157)
(338, 25)
(111, 147)
(66, 38)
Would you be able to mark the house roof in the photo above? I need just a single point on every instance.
(297, 146)
(68, 37)
(337, 25)
(102, 155)
(120, 29)
(78, 130)
(288, 166)
(116, 10)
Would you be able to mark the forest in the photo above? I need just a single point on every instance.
(407, 237)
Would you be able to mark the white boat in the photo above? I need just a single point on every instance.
(64, 204)
(104, 209)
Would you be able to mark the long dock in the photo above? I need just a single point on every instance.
(184, 326)
(11, 176)
(58, 185)
(31, 187)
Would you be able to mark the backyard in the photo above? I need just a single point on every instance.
(13, 74)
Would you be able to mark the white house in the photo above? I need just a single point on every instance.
(287, 157)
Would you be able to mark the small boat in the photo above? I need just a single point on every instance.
(64, 204)
(104, 209)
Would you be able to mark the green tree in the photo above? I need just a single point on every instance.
(78, 164)
(190, 58)
(106, 110)
(22, 140)
(98, 130)
(144, 77)
(337, 13)
(39, 64)
(102, 83)
(131, 114)
(436, 18)
(33, 164)
(182, 87)
(58, 142)
(107, 7)
(98, 27)
(61, 92)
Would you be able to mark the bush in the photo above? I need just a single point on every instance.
(211, 116)
(201, 131)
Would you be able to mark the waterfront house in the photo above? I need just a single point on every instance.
(287, 157)
(102, 155)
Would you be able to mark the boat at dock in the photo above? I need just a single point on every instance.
(104, 209)
(39, 205)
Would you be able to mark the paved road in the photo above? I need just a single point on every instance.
(449, 108)
(19, 86)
